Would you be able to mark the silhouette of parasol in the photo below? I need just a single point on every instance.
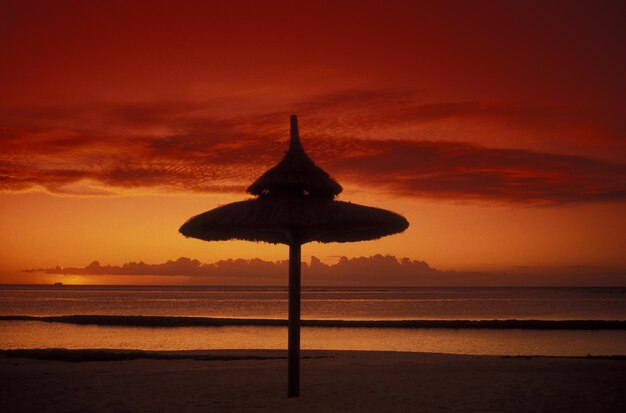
(294, 205)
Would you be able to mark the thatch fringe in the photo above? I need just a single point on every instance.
(285, 221)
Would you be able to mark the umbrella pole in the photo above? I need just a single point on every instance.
(293, 356)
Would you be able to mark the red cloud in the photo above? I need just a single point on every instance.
(459, 170)
(181, 147)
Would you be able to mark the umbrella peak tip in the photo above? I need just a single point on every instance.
(295, 134)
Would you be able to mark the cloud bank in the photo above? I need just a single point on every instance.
(198, 147)
(376, 270)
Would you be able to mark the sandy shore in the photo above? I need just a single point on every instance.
(331, 381)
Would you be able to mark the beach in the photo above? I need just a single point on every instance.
(370, 349)
(255, 380)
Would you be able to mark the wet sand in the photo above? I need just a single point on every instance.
(246, 381)
(169, 321)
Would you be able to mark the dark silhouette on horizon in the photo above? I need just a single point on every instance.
(295, 205)
(355, 271)
(186, 321)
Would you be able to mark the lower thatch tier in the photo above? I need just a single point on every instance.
(287, 221)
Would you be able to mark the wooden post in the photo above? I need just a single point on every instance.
(293, 356)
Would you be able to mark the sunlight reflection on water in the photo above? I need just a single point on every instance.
(33, 334)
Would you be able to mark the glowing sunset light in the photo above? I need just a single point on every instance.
(496, 129)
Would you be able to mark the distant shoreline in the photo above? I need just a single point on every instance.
(315, 287)
(174, 321)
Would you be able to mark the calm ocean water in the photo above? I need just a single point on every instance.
(320, 303)
(317, 303)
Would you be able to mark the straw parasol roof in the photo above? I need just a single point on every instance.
(295, 201)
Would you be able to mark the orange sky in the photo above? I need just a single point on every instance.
(496, 128)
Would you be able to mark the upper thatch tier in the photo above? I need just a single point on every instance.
(296, 174)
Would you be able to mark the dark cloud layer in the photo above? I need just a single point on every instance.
(464, 171)
(177, 146)
(364, 271)
(359, 270)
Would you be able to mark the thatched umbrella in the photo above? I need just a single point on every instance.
(294, 205)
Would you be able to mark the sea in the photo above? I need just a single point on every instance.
(24, 308)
